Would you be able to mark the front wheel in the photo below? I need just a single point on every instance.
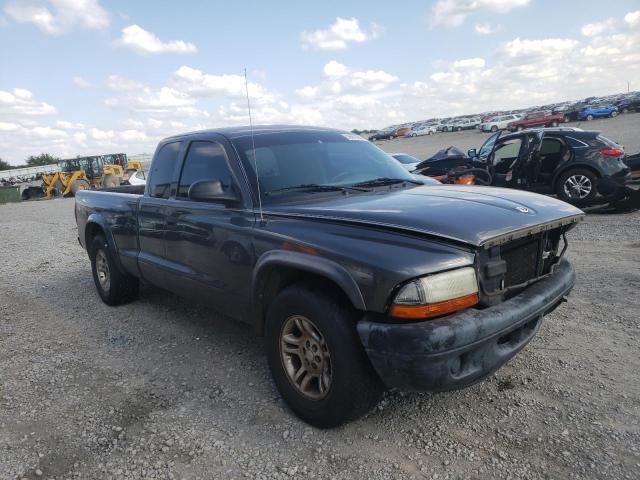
(114, 286)
(614, 114)
(316, 357)
(577, 186)
(589, 117)
(494, 129)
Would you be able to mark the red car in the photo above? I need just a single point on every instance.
(537, 119)
(401, 132)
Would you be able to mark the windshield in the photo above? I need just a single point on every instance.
(292, 159)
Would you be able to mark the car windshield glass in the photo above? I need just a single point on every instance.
(487, 147)
(287, 160)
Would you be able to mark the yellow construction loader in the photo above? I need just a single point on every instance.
(96, 172)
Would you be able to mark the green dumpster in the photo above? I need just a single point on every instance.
(9, 194)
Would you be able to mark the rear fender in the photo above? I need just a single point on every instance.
(96, 220)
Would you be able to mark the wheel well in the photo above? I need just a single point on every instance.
(277, 278)
(92, 229)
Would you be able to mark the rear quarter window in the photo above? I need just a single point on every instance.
(162, 168)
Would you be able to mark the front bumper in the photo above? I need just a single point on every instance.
(461, 349)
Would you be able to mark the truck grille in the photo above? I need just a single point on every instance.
(521, 257)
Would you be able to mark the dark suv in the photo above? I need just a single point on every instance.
(576, 165)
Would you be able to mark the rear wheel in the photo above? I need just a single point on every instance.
(614, 114)
(494, 129)
(589, 117)
(316, 358)
(459, 129)
(577, 186)
(79, 185)
(114, 286)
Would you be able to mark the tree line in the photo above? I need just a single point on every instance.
(32, 161)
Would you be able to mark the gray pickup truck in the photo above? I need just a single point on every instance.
(359, 275)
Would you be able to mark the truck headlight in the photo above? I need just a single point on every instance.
(436, 294)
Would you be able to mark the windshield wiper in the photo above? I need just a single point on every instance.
(381, 181)
(315, 187)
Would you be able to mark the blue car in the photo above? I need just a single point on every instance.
(597, 111)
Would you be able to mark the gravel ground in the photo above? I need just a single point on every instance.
(622, 129)
(162, 388)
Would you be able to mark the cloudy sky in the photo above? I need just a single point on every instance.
(98, 76)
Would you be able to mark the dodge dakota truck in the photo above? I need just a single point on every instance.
(359, 275)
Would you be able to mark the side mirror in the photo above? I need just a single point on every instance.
(211, 191)
(472, 153)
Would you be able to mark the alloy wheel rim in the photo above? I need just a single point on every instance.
(305, 357)
(102, 271)
(577, 186)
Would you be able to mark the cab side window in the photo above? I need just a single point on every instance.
(162, 168)
(205, 161)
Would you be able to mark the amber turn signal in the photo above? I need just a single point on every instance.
(430, 310)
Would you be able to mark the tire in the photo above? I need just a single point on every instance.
(494, 129)
(79, 185)
(459, 129)
(589, 117)
(625, 110)
(445, 129)
(614, 114)
(566, 119)
(353, 386)
(520, 128)
(118, 288)
(568, 193)
(110, 181)
(554, 124)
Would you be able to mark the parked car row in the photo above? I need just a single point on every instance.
(551, 115)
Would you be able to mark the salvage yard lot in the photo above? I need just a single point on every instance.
(623, 129)
(162, 388)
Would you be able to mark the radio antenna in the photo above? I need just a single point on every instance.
(253, 145)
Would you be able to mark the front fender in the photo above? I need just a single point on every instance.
(308, 263)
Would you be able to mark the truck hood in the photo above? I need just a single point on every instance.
(480, 216)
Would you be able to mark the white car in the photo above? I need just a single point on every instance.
(138, 178)
(407, 161)
(464, 124)
(421, 130)
(499, 122)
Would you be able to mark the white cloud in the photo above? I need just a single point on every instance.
(55, 17)
(81, 82)
(335, 69)
(597, 28)
(20, 103)
(66, 125)
(469, 64)
(486, 28)
(632, 18)
(202, 84)
(453, 13)
(143, 42)
(339, 35)
(120, 83)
